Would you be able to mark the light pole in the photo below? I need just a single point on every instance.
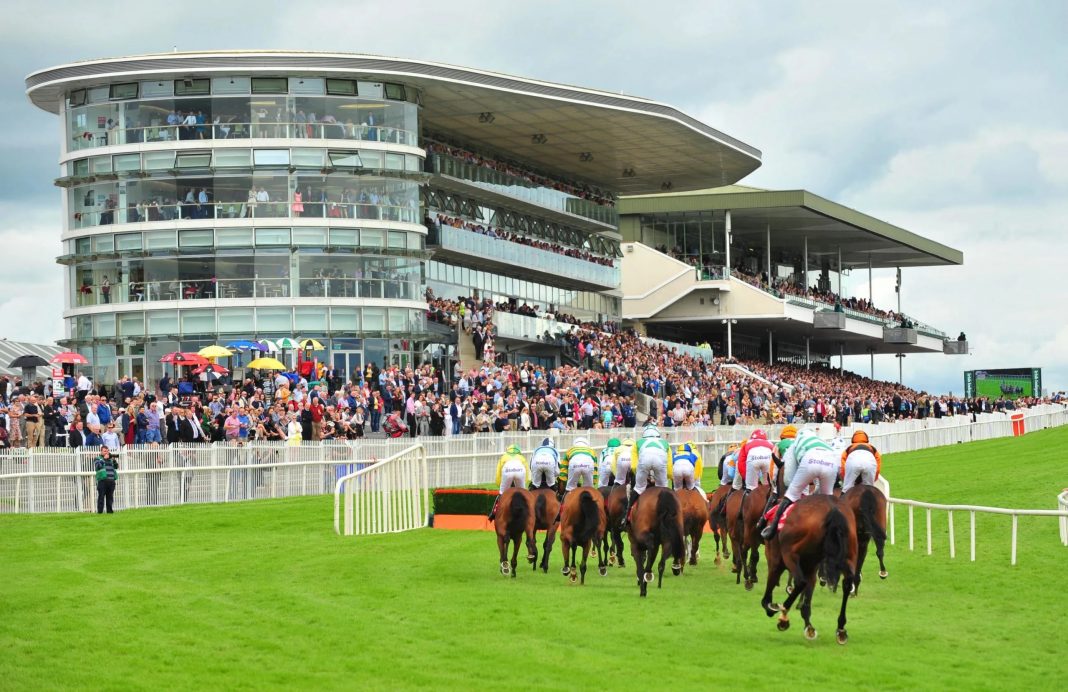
(730, 346)
(900, 370)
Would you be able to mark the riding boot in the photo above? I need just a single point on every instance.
(741, 505)
(722, 506)
(632, 500)
(560, 511)
(771, 529)
(493, 512)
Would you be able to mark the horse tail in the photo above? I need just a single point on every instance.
(868, 509)
(667, 518)
(539, 509)
(835, 540)
(588, 519)
(519, 513)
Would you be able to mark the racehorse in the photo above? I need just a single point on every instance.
(615, 507)
(515, 518)
(819, 535)
(869, 511)
(656, 523)
(694, 516)
(717, 520)
(582, 523)
(743, 516)
(546, 508)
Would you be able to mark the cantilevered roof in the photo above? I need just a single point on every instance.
(622, 143)
(10, 350)
(793, 216)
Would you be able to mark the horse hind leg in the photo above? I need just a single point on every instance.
(862, 553)
(502, 547)
(585, 555)
(840, 635)
(806, 609)
(572, 574)
(515, 554)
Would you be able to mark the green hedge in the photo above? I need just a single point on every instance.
(448, 502)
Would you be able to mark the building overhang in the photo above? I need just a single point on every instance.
(623, 144)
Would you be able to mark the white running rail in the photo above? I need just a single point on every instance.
(972, 510)
(389, 496)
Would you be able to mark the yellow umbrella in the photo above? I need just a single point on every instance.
(215, 352)
(311, 344)
(267, 364)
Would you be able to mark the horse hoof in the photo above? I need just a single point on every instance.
(823, 582)
(748, 585)
(603, 571)
(789, 589)
(505, 568)
(774, 608)
(612, 559)
(841, 637)
(783, 625)
(883, 574)
(573, 577)
(531, 558)
(810, 633)
(648, 577)
(734, 569)
(565, 570)
(718, 562)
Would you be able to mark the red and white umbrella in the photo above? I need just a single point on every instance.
(69, 357)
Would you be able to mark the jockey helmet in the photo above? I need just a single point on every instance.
(628, 443)
(614, 442)
(581, 442)
(686, 448)
(513, 449)
(789, 432)
(758, 435)
(650, 432)
(548, 442)
(860, 436)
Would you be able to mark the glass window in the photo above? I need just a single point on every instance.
(193, 159)
(104, 243)
(123, 92)
(271, 157)
(395, 92)
(272, 236)
(98, 94)
(104, 325)
(371, 158)
(415, 241)
(192, 87)
(157, 90)
(344, 237)
(397, 240)
(131, 324)
(204, 238)
(313, 237)
(412, 163)
(371, 237)
(269, 85)
(395, 162)
(307, 85)
(341, 87)
(236, 321)
(82, 246)
(162, 322)
(398, 320)
(81, 167)
(198, 321)
(307, 158)
(158, 160)
(310, 320)
(233, 158)
(76, 98)
(274, 320)
(344, 319)
(160, 240)
(233, 237)
(127, 162)
(230, 85)
(100, 164)
(374, 319)
(345, 159)
(128, 241)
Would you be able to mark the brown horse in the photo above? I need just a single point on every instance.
(656, 523)
(615, 507)
(868, 505)
(694, 517)
(743, 514)
(546, 508)
(717, 521)
(515, 518)
(818, 536)
(582, 523)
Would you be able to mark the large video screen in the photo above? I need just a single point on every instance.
(1004, 383)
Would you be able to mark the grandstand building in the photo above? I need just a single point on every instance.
(213, 196)
(730, 265)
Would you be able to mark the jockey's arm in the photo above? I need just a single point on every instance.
(845, 455)
(500, 467)
(743, 455)
(878, 463)
(670, 464)
(698, 466)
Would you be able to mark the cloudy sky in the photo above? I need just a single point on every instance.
(949, 119)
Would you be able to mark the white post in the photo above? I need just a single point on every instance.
(771, 349)
(730, 345)
(727, 236)
(1015, 521)
(841, 357)
(893, 530)
(971, 520)
(871, 291)
(805, 260)
(839, 271)
(768, 245)
(912, 541)
(928, 530)
(808, 356)
(952, 538)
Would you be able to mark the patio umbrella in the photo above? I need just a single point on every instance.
(212, 368)
(69, 357)
(179, 358)
(311, 345)
(243, 345)
(215, 352)
(266, 364)
(286, 343)
(28, 363)
(266, 346)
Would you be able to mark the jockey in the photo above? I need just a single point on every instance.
(512, 472)
(787, 436)
(654, 455)
(754, 461)
(728, 465)
(544, 465)
(861, 460)
(606, 466)
(686, 467)
(579, 464)
(624, 461)
(808, 459)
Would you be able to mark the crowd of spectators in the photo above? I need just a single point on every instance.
(500, 233)
(515, 170)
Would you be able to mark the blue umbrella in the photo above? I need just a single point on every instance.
(242, 345)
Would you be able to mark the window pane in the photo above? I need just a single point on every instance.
(271, 157)
(157, 89)
(307, 158)
(371, 158)
(81, 167)
(413, 163)
(395, 162)
(415, 241)
(345, 159)
(344, 319)
(230, 85)
(371, 237)
(127, 162)
(128, 241)
(374, 319)
(104, 243)
(158, 160)
(344, 237)
(310, 320)
(398, 320)
(314, 237)
(196, 238)
(307, 85)
(193, 159)
(274, 320)
(160, 240)
(124, 91)
(77, 98)
(236, 321)
(162, 322)
(233, 158)
(395, 92)
(272, 236)
(233, 237)
(396, 240)
(192, 87)
(131, 324)
(269, 85)
(198, 321)
(104, 325)
(341, 87)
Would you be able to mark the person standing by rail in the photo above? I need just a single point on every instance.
(107, 472)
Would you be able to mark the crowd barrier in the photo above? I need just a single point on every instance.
(392, 495)
(61, 479)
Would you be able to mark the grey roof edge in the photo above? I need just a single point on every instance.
(351, 62)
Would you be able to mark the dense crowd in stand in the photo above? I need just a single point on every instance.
(514, 170)
(500, 233)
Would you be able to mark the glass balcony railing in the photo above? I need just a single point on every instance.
(206, 289)
(514, 326)
(103, 137)
(244, 210)
(521, 188)
(521, 256)
(682, 349)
